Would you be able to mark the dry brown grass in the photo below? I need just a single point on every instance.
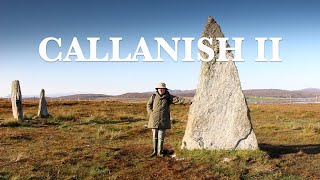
(100, 140)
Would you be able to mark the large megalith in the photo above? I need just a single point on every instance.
(219, 115)
(16, 100)
(43, 109)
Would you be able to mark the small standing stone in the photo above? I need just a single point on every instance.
(16, 99)
(43, 109)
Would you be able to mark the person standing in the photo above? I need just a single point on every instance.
(158, 107)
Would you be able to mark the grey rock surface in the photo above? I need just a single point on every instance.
(16, 100)
(219, 117)
(43, 107)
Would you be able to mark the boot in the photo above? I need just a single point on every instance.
(155, 146)
(160, 148)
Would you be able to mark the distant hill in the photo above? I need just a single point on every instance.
(84, 96)
(135, 95)
(311, 90)
(303, 93)
(278, 93)
(183, 93)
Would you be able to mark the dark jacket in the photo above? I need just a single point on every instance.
(158, 108)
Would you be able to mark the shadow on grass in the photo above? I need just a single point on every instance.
(98, 121)
(275, 151)
(168, 152)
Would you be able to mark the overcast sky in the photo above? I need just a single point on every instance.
(23, 25)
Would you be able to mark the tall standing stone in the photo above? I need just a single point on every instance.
(43, 109)
(16, 99)
(219, 116)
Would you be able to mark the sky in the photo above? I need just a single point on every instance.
(23, 25)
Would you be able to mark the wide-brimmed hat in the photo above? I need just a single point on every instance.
(161, 86)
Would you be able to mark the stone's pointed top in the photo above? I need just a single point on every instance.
(210, 19)
(15, 82)
(212, 29)
(42, 91)
(15, 88)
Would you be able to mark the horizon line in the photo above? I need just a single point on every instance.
(55, 95)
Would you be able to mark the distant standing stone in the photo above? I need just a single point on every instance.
(43, 109)
(219, 116)
(16, 99)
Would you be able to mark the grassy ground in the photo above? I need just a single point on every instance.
(109, 140)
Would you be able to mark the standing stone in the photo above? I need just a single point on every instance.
(43, 110)
(219, 116)
(16, 99)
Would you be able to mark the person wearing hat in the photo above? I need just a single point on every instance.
(158, 108)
